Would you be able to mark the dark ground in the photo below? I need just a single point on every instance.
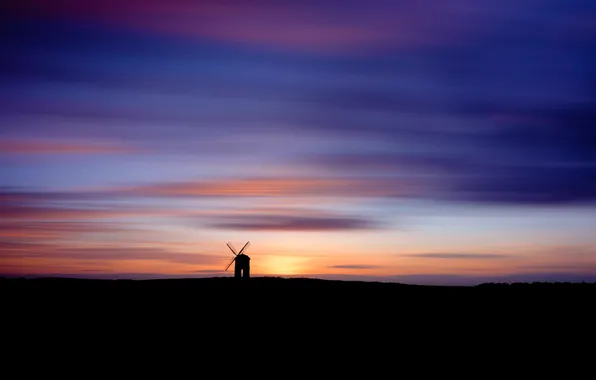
(305, 322)
(263, 295)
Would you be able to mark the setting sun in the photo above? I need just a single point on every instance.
(282, 265)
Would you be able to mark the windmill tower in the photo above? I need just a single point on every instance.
(242, 266)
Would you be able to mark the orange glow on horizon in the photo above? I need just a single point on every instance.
(282, 265)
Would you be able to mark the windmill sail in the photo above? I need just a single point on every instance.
(231, 248)
(234, 259)
(243, 248)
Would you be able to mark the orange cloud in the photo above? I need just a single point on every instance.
(18, 258)
(276, 187)
(105, 252)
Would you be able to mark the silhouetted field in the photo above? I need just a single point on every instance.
(272, 292)
(335, 313)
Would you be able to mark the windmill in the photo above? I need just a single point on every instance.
(242, 266)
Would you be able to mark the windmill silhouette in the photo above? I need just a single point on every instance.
(242, 266)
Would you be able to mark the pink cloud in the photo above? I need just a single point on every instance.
(31, 258)
(104, 252)
(29, 212)
(26, 229)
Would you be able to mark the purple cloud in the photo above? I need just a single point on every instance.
(550, 160)
(30, 147)
(308, 26)
(16, 211)
(291, 223)
(355, 266)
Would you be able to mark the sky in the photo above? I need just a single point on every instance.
(433, 142)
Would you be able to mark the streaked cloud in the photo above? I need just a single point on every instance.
(270, 187)
(12, 247)
(208, 271)
(309, 26)
(34, 146)
(275, 187)
(291, 223)
(30, 212)
(27, 229)
(460, 256)
(551, 160)
(15, 196)
(103, 253)
(355, 266)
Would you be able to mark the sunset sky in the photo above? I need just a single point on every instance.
(421, 141)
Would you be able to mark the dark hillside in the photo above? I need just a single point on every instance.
(318, 313)
(271, 292)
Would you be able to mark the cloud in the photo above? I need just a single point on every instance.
(580, 266)
(208, 271)
(389, 163)
(459, 256)
(355, 266)
(310, 26)
(27, 229)
(291, 223)
(101, 253)
(554, 162)
(12, 195)
(10, 211)
(36, 146)
(536, 156)
(274, 187)
(19, 247)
